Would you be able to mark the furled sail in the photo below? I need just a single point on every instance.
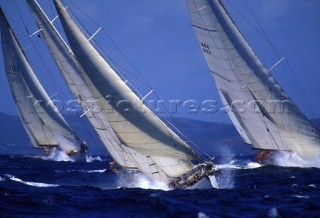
(41, 119)
(261, 111)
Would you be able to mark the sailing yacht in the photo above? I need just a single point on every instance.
(272, 121)
(134, 136)
(45, 126)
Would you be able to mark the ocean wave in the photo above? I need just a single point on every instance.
(36, 184)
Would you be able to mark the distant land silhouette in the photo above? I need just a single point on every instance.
(214, 138)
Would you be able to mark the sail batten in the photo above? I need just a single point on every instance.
(268, 116)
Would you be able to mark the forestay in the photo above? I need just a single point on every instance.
(261, 111)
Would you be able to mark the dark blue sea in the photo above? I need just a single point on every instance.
(32, 186)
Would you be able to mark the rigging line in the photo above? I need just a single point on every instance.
(177, 129)
(96, 44)
(300, 90)
(144, 81)
(197, 146)
(56, 84)
(114, 63)
(292, 76)
(19, 12)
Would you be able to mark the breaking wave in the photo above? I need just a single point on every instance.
(36, 184)
(288, 159)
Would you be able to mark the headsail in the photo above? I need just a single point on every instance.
(41, 119)
(261, 111)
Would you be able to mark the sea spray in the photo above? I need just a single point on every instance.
(137, 180)
(58, 155)
(214, 182)
(288, 159)
(240, 164)
(225, 178)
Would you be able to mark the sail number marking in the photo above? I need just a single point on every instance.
(14, 79)
(14, 68)
(205, 48)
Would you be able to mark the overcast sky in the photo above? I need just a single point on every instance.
(157, 38)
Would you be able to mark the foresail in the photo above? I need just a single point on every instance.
(131, 120)
(259, 107)
(44, 125)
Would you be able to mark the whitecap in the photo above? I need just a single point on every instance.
(301, 196)
(273, 213)
(36, 184)
(93, 171)
(91, 159)
(203, 215)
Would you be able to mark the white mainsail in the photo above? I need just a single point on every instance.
(261, 111)
(44, 124)
(148, 143)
